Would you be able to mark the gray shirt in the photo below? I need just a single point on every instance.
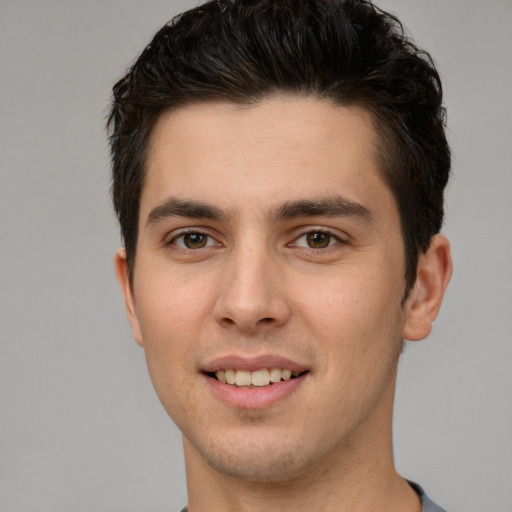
(427, 504)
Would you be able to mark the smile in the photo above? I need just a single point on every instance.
(258, 378)
(254, 382)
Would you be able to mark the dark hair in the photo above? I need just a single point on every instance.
(347, 52)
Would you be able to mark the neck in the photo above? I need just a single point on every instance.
(358, 477)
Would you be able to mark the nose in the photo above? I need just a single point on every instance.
(252, 294)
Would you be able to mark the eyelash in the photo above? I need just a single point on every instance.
(333, 240)
(192, 232)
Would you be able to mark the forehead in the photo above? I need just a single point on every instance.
(250, 157)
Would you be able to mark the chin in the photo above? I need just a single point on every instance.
(260, 460)
(262, 467)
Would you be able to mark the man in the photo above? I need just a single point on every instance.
(278, 172)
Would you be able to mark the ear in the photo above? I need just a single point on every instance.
(123, 278)
(426, 296)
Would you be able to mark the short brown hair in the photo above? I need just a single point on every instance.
(347, 52)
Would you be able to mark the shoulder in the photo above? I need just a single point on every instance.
(427, 504)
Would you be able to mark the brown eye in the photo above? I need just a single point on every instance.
(195, 240)
(318, 240)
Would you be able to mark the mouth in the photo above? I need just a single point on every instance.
(254, 382)
(264, 377)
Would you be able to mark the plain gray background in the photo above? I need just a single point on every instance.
(80, 426)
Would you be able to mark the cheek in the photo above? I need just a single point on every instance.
(169, 337)
(351, 293)
(169, 304)
(357, 312)
(169, 315)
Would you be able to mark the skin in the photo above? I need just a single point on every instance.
(257, 288)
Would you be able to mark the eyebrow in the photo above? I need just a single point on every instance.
(331, 206)
(173, 207)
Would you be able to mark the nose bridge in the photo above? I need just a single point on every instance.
(250, 294)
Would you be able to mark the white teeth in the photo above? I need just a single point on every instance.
(230, 376)
(257, 378)
(243, 378)
(275, 375)
(260, 378)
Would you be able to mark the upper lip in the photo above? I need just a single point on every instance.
(252, 363)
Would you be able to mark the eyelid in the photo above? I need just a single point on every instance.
(174, 235)
(339, 237)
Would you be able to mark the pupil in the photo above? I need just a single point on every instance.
(318, 240)
(194, 240)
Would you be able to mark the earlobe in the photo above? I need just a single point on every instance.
(424, 301)
(123, 278)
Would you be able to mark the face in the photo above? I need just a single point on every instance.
(269, 245)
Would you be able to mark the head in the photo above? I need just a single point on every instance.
(278, 174)
(346, 53)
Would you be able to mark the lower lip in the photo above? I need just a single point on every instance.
(255, 398)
